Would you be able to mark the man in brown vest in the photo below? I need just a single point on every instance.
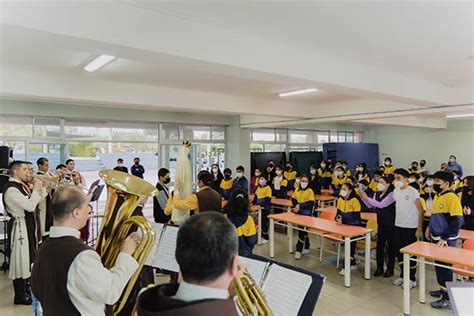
(207, 254)
(68, 277)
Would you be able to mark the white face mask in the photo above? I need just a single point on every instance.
(455, 177)
(323, 165)
(120, 164)
(411, 180)
(261, 182)
(239, 174)
(278, 172)
(304, 185)
(360, 169)
(343, 193)
(387, 163)
(429, 183)
(398, 184)
(312, 171)
(451, 160)
(338, 173)
(380, 187)
(257, 174)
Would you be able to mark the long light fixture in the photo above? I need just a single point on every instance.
(296, 92)
(98, 62)
(460, 115)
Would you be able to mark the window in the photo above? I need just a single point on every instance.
(20, 126)
(87, 130)
(169, 132)
(349, 137)
(280, 135)
(333, 137)
(263, 135)
(322, 137)
(134, 132)
(46, 127)
(341, 137)
(256, 148)
(217, 132)
(357, 137)
(305, 137)
(195, 132)
(275, 147)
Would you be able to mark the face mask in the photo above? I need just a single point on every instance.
(288, 168)
(360, 169)
(227, 176)
(261, 182)
(312, 171)
(377, 179)
(455, 177)
(137, 162)
(429, 183)
(120, 164)
(257, 174)
(437, 188)
(338, 173)
(411, 180)
(239, 174)
(451, 160)
(215, 170)
(167, 180)
(398, 184)
(362, 187)
(278, 172)
(343, 193)
(304, 185)
(414, 167)
(380, 187)
(297, 181)
(323, 165)
(387, 163)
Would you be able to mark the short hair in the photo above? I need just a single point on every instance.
(41, 161)
(378, 173)
(402, 172)
(414, 163)
(304, 175)
(136, 158)
(240, 168)
(163, 172)
(388, 158)
(205, 177)
(65, 200)
(69, 160)
(227, 170)
(60, 166)
(415, 175)
(120, 160)
(205, 246)
(453, 156)
(15, 165)
(388, 178)
(444, 175)
(364, 182)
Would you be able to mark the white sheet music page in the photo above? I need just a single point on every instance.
(256, 268)
(285, 289)
(165, 258)
(151, 260)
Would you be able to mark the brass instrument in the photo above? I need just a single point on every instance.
(124, 193)
(53, 181)
(250, 298)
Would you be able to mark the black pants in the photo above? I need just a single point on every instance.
(265, 223)
(402, 238)
(385, 241)
(303, 240)
(444, 275)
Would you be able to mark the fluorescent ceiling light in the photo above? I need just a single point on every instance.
(296, 92)
(460, 115)
(99, 62)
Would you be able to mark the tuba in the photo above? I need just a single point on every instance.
(249, 297)
(124, 193)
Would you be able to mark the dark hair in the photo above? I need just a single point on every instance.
(444, 175)
(470, 182)
(280, 167)
(415, 185)
(163, 172)
(378, 173)
(205, 177)
(68, 161)
(389, 179)
(304, 175)
(364, 182)
(453, 157)
(238, 204)
(314, 166)
(240, 168)
(414, 163)
(388, 158)
(60, 166)
(227, 170)
(14, 165)
(206, 244)
(414, 174)
(120, 160)
(65, 200)
(136, 158)
(402, 172)
(41, 161)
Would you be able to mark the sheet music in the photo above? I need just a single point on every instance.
(285, 289)
(165, 258)
(151, 261)
(256, 268)
(462, 299)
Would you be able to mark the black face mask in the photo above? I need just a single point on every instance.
(288, 168)
(414, 167)
(422, 165)
(227, 176)
(167, 180)
(437, 188)
(137, 162)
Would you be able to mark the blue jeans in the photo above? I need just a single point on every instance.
(36, 305)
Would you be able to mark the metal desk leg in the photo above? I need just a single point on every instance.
(272, 238)
(367, 256)
(406, 284)
(422, 280)
(259, 229)
(288, 230)
(347, 262)
(290, 240)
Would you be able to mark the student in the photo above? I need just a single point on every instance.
(120, 166)
(467, 202)
(409, 217)
(454, 166)
(338, 180)
(254, 180)
(446, 220)
(427, 193)
(303, 203)
(270, 171)
(413, 179)
(226, 184)
(414, 168)
(457, 184)
(384, 204)
(347, 172)
(315, 181)
(137, 169)
(237, 211)
(217, 177)
(348, 213)
(279, 184)
(263, 198)
(444, 167)
(290, 175)
(374, 182)
(423, 168)
(297, 181)
(389, 168)
(361, 172)
(240, 182)
(325, 173)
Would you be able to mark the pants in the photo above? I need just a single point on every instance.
(444, 275)
(385, 240)
(265, 223)
(353, 250)
(303, 240)
(402, 238)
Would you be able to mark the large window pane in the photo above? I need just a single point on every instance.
(83, 130)
(195, 132)
(19, 149)
(134, 132)
(281, 135)
(349, 137)
(305, 137)
(218, 133)
(333, 137)
(357, 137)
(169, 132)
(263, 135)
(16, 126)
(275, 147)
(323, 137)
(47, 127)
(256, 148)
(341, 137)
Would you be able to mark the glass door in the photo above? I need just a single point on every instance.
(54, 152)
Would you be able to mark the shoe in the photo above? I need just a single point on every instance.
(441, 304)
(22, 299)
(264, 241)
(297, 255)
(398, 282)
(305, 252)
(21, 296)
(343, 271)
(437, 293)
(388, 274)
(378, 272)
(412, 284)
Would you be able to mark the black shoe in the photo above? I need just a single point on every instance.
(378, 272)
(22, 299)
(441, 304)
(436, 293)
(388, 274)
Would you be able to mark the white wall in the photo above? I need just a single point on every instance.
(405, 144)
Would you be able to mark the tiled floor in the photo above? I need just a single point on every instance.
(373, 297)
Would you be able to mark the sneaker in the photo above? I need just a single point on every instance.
(297, 255)
(343, 271)
(441, 304)
(398, 282)
(305, 252)
(264, 241)
(436, 293)
(412, 284)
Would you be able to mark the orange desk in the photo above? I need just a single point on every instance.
(284, 203)
(326, 191)
(465, 234)
(318, 226)
(424, 250)
(323, 199)
(365, 216)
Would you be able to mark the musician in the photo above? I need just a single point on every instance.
(207, 254)
(68, 277)
(46, 217)
(120, 166)
(20, 202)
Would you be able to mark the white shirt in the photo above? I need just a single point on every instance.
(192, 292)
(89, 284)
(406, 212)
(18, 203)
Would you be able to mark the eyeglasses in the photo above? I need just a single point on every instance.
(91, 210)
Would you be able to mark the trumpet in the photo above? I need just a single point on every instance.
(250, 298)
(52, 181)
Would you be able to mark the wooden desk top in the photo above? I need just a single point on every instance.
(366, 216)
(281, 202)
(323, 197)
(466, 234)
(451, 255)
(326, 191)
(320, 224)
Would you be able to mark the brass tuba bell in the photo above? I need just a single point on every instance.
(124, 193)
(249, 297)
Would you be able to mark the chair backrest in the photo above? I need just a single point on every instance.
(468, 244)
(372, 224)
(327, 215)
